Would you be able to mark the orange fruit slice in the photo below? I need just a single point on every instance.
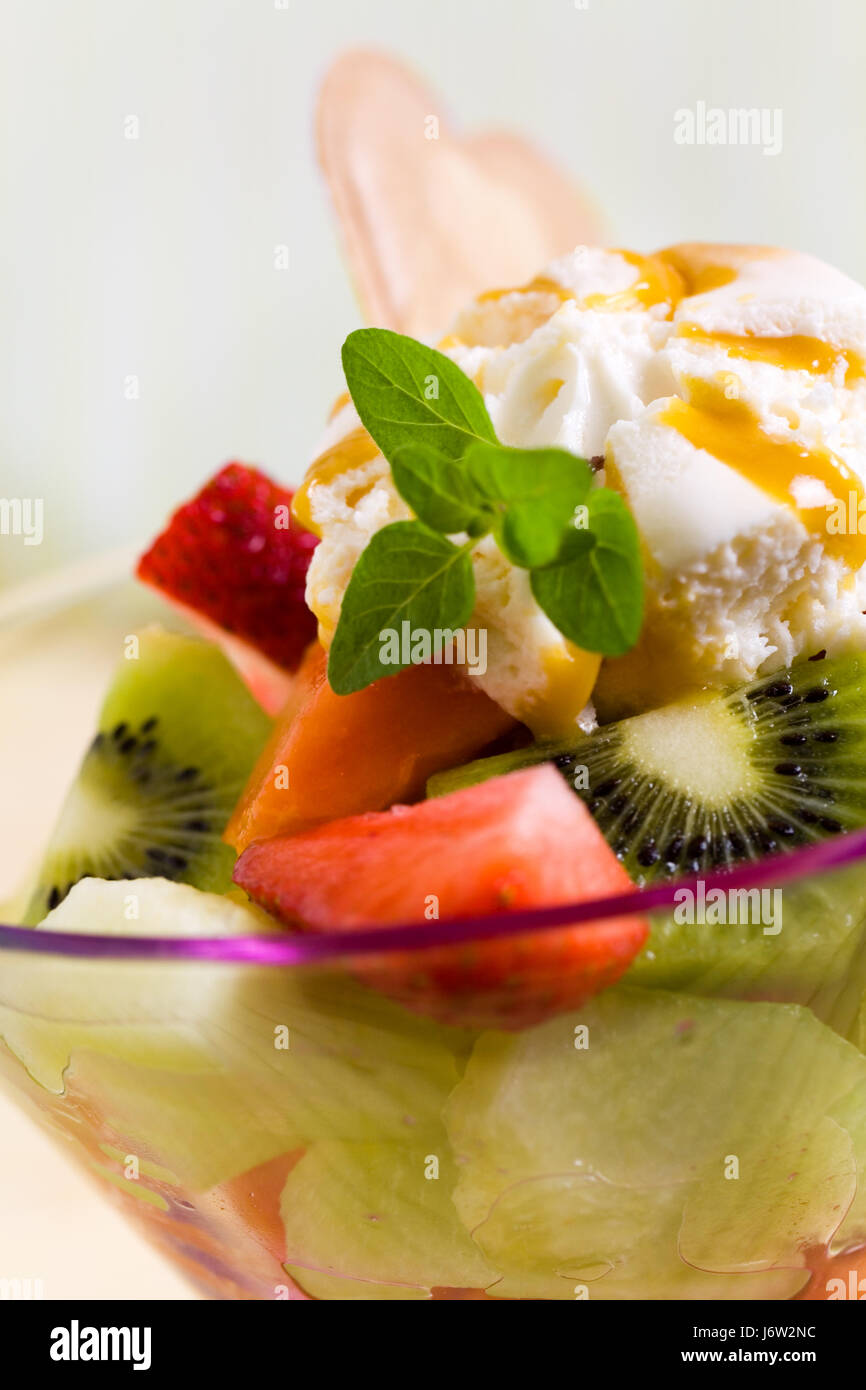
(337, 755)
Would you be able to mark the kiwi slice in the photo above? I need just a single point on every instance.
(720, 777)
(177, 737)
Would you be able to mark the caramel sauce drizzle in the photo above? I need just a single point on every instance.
(730, 431)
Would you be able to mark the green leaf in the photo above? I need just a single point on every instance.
(536, 493)
(579, 542)
(596, 599)
(439, 490)
(407, 574)
(406, 393)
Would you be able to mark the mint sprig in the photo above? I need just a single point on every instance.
(583, 594)
(533, 495)
(406, 393)
(440, 490)
(408, 573)
(578, 542)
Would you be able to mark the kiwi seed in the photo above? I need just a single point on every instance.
(719, 778)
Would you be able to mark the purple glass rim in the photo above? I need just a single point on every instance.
(311, 949)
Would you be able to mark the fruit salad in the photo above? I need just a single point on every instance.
(520, 711)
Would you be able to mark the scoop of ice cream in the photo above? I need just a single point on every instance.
(723, 391)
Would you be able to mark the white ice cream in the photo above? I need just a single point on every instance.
(724, 388)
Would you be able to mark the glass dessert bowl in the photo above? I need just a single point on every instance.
(479, 910)
(281, 1128)
(363, 962)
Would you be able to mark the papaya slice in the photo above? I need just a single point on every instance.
(338, 755)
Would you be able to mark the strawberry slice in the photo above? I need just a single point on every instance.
(236, 557)
(519, 841)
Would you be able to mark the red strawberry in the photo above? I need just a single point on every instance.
(519, 841)
(238, 559)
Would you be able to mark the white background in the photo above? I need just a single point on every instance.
(154, 257)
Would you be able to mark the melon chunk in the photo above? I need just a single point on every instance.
(335, 755)
(661, 1146)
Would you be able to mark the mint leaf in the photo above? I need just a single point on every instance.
(536, 493)
(596, 599)
(511, 475)
(578, 542)
(439, 490)
(406, 393)
(407, 574)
